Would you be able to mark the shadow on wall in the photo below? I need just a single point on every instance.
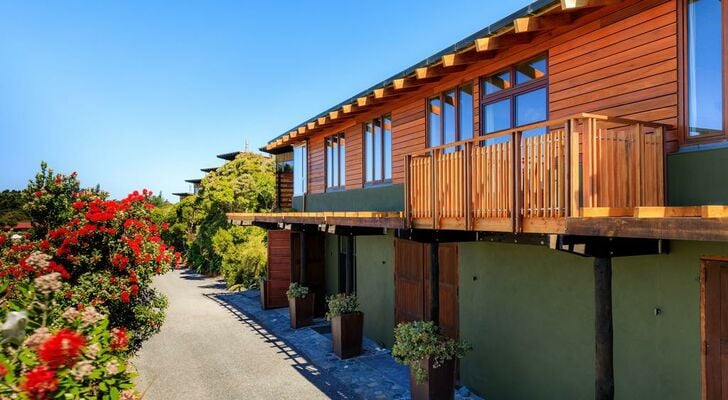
(325, 383)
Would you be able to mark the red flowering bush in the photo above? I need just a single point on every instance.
(75, 356)
(105, 251)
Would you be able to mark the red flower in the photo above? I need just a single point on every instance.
(38, 193)
(3, 370)
(58, 180)
(3, 239)
(78, 205)
(45, 245)
(61, 348)
(40, 383)
(124, 296)
(68, 294)
(119, 339)
(134, 290)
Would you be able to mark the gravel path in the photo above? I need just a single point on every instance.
(203, 352)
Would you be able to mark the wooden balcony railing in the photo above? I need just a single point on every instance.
(528, 179)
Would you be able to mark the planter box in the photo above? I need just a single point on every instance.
(440, 383)
(301, 311)
(346, 332)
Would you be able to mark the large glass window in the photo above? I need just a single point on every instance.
(705, 67)
(378, 149)
(516, 97)
(450, 116)
(300, 169)
(335, 161)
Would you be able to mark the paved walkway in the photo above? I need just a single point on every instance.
(202, 352)
(221, 330)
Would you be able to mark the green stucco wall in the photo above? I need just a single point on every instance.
(698, 177)
(380, 198)
(331, 264)
(375, 286)
(529, 316)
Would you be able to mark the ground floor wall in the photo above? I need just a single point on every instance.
(331, 263)
(528, 312)
(375, 286)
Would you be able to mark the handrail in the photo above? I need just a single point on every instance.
(537, 125)
(584, 160)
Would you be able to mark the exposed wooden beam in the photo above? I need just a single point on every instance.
(293, 134)
(301, 130)
(407, 84)
(450, 61)
(347, 108)
(321, 120)
(503, 41)
(541, 22)
(388, 92)
(334, 114)
(286, 137)
(576, 4)
(362, 101)
(311, 125)
(714, 212)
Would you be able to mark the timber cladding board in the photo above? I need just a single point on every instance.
(619, 61)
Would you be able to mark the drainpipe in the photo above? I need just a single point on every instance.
(604, 329)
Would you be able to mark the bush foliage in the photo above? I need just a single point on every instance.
(239, 254)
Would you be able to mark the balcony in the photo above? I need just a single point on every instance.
(530, 179)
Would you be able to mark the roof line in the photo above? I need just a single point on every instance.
(531, 8)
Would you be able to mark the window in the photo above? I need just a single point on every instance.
(450, 116)
(516, 97)
(335, 161)
(378, 149)
(706, 52)
(300, 169)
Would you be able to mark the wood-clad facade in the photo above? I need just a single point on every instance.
(536, 217)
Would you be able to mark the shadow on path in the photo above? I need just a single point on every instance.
(328, 384)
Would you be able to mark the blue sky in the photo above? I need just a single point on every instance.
(142, 94)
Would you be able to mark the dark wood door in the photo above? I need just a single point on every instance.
(412, 287)
(316, 277)
(715, 328)
(279, 269)
(408, 281)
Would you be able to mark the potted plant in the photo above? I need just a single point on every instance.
(347, 324)
(431, 358)
(300, 305)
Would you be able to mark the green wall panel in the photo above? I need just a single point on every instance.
(380, 198)
(698, 177)
(529, 315)
(375, 286)
(527, 311)
(331, 264)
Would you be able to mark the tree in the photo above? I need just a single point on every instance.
(11, 208)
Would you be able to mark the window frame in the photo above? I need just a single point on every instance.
(304, 182)
(384, 180)
(341, 163)
(513, 92)
(683, 85)
(441, 97)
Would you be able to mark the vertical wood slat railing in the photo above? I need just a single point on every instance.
(545, 171)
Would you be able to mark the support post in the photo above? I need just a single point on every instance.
(435, 283)
(604, 330)
(349, 264)
(304, 261)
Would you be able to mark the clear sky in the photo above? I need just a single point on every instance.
(142, 94)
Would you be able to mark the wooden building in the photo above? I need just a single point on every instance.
(561, 173)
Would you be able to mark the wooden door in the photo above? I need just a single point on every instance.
(412, 284)
(409, 303)
(316, 278)
(279, 269)
(715, 328)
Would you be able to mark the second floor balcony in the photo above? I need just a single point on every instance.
(531, 178)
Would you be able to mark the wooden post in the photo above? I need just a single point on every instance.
(304, 261)
(435, 283)
(349, 264)
(604, 330)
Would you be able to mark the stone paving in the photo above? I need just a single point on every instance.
(373, 375)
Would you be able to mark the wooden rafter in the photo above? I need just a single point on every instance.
(334, 114)
(575, 4)
(301, 130)
(402, 84)
(311, 125)
(362, 101)
(322, 120)
(503, 41)
(463, 59)
(541, 22)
